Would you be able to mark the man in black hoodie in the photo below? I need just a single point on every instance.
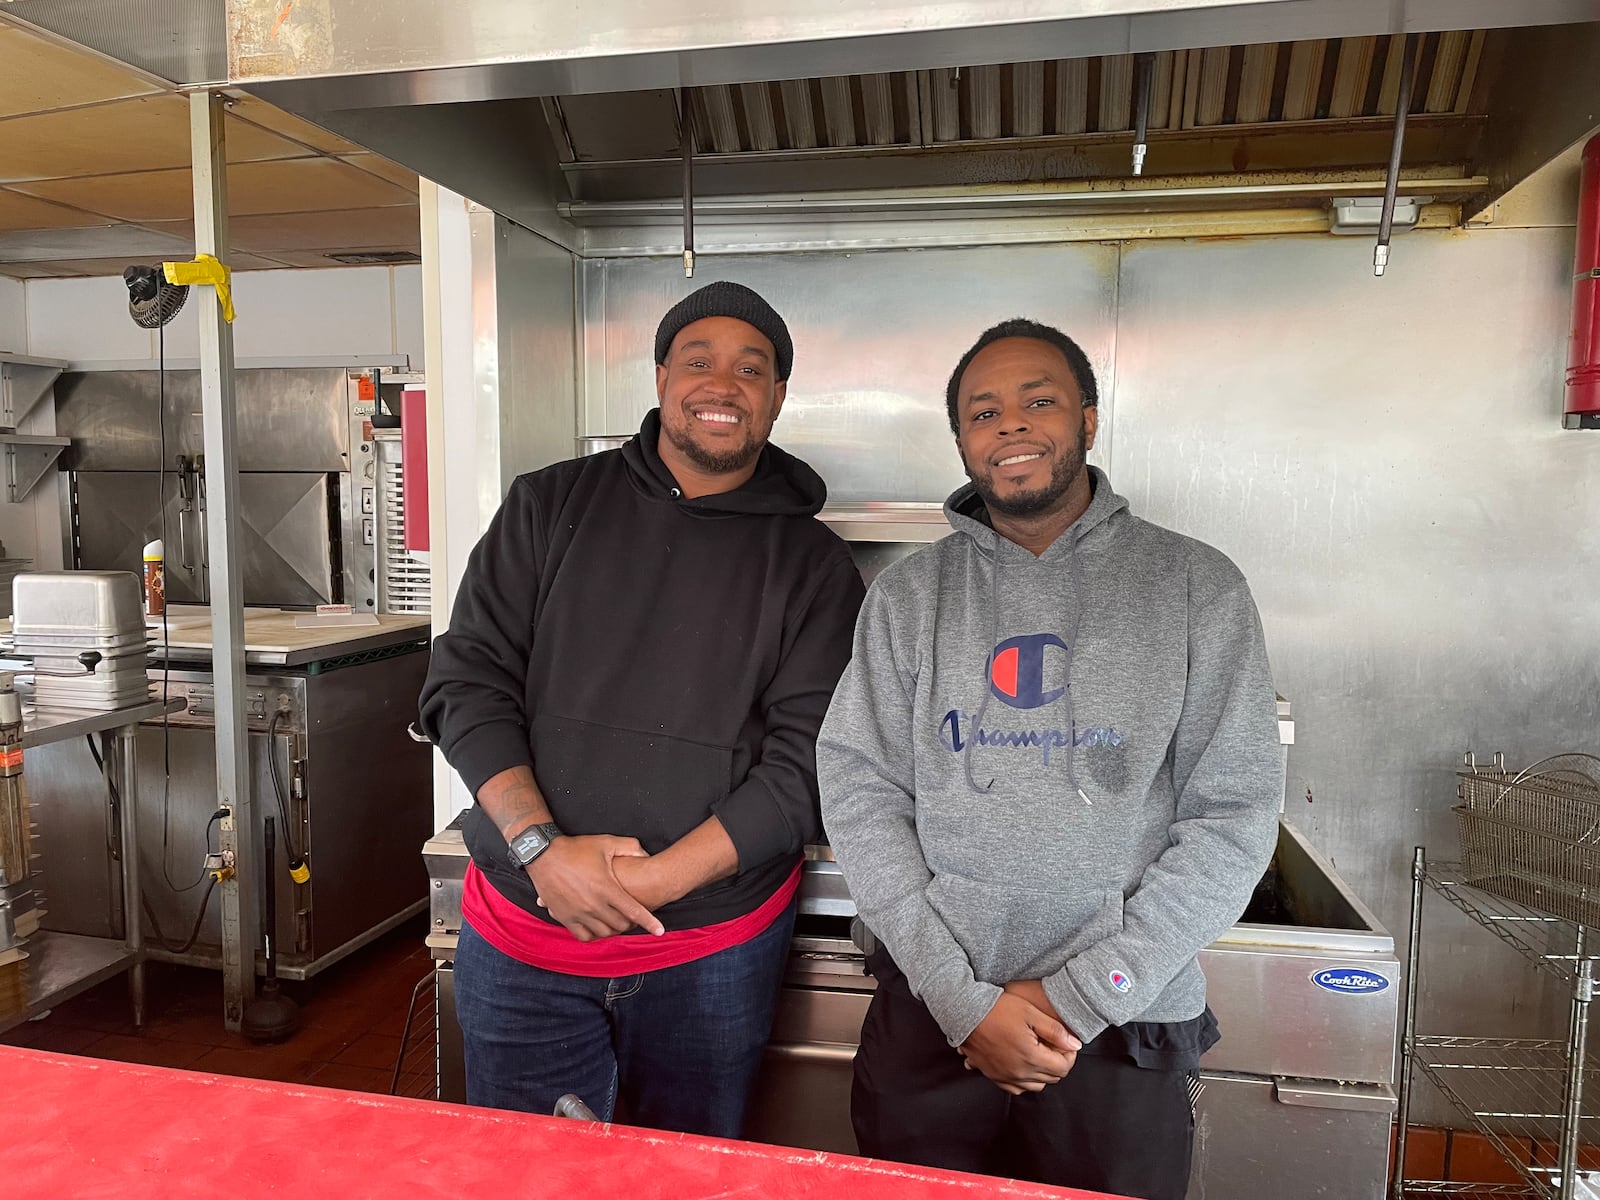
(640, 656)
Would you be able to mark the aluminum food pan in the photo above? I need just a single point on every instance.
(109, 655)
(89, 705)
(63, 643)
(119, 692)
(98, 603)
(109, 666)
(108, 682)
(91, 700)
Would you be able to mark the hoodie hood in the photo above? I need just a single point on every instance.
(783, 485)
(966, 513)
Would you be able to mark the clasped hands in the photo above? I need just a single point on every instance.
(1022, 1045)
(600, 885)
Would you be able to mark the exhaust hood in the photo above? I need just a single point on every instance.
(562, 116)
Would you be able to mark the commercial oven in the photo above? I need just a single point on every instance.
(309, 480)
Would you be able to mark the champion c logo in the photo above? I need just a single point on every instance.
(1017, 670)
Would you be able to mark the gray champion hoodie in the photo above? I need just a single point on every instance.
(1063, 768)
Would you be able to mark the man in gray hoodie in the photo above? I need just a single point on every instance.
(1051, 775)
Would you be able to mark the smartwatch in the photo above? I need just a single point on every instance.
(531, 842)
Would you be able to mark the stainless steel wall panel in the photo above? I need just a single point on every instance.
(1390, 474)
(876, 336)
(293, 419)
(113, 418)
(535, 348)
(289, 419)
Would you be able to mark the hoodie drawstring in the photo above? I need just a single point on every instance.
(988, 668)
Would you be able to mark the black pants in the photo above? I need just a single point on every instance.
(1109, 1126)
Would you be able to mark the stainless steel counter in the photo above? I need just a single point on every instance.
(271, 638)
(1305, 988)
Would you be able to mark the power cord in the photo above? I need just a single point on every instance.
(166, 642)
(215, 874)
(297, 862)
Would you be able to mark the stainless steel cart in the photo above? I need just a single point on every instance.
(1509, 1089)
(60, 965)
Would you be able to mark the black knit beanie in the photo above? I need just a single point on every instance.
(727, 300)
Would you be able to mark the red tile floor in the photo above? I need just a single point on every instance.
(352, 1016)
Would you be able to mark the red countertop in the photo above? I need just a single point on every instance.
(85, 1128)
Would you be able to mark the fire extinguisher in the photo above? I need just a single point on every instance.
(1583, 358)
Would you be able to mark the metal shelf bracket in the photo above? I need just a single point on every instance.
(27, 460)
(23, 383)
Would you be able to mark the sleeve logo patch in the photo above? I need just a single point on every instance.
(1120, 981)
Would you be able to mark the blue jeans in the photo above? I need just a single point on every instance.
(679, 1048)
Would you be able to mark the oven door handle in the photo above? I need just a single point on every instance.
(813, 1052)
(1347, 1097)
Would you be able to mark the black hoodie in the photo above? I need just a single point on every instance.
(655, 660)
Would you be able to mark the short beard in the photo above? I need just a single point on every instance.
(724, 463)
(1020, 505)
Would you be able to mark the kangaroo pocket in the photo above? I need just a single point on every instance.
(599, 779)
(1012, 933)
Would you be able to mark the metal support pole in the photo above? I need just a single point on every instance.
(687, 119)
(1391, 186)
(240, 919)
(1143, 90)
(132, 916)
(1408, 1049)
(1577, 1044)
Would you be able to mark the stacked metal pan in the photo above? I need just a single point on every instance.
(59, 615)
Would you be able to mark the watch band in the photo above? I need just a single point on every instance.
(533, 841)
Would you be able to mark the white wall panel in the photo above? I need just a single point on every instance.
(13, 317)
(290, 314)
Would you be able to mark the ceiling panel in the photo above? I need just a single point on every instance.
(24, 212)
(283, 186)
(40, 76)
(30, 270)
(102, 241)
(364, 229)
(113, 266)
(380, 166)
(259, 112)
(132, 135)
(100, 159)
(312, 258)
